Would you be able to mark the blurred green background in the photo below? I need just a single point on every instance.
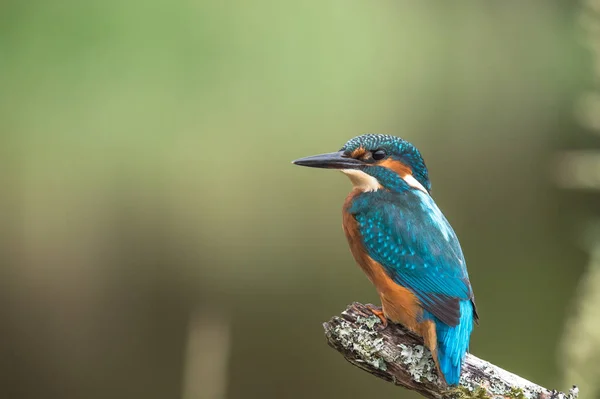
(156, 242)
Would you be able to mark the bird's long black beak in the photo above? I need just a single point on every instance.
(333, 160)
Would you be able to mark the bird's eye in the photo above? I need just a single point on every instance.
(379, 155)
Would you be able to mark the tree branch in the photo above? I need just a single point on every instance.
(397, 355)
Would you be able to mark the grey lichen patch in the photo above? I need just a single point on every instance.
(574, 392)
(497, 385)
(469, 391)
(516, 393)
(531, 393)
(497, 388)
(493, 385)
(369, 322)
(362, 341)
(419, 362)
(462, 392)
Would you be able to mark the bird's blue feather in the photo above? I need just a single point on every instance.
(453, 342)
(410, 237)
(407, 234)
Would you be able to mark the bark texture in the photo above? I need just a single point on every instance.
(397, 355)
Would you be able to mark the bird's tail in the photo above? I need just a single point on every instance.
(453, 343)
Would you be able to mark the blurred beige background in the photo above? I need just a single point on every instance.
(156, 242)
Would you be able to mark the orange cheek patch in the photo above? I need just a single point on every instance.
(400, 168)
(359, 152)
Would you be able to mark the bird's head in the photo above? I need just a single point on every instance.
(374, 161)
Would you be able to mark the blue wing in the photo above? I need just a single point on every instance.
(411, 238)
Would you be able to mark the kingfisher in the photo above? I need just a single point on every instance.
(405, 246)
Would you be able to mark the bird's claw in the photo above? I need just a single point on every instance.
(379, 313)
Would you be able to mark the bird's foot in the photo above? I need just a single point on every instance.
(379, 313)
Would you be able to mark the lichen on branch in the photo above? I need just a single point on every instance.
(397, 355)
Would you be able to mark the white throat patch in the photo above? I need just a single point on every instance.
(361, 180)
(414, 183)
